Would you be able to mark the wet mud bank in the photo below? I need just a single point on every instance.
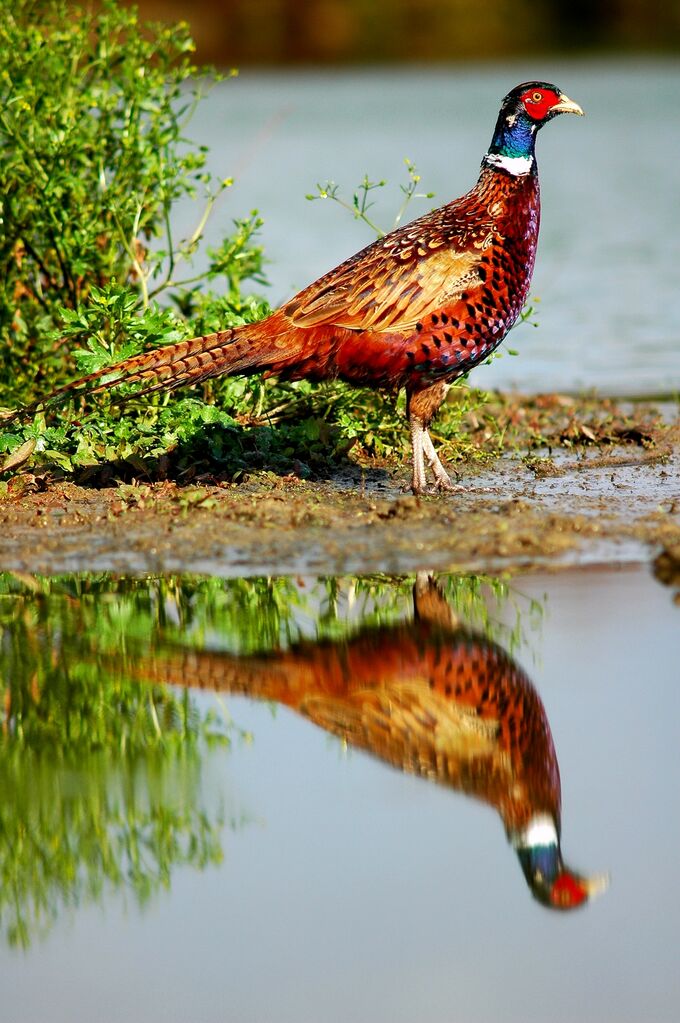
(597, 504)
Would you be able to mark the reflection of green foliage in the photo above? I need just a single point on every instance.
(100, 778)
(58, 698)
(381, 600)
(54, 626)
(69, 834)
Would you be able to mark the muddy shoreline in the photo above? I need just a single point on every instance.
(570, 505)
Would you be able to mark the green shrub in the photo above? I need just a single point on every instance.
(92, 160)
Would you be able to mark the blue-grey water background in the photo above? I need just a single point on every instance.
(608, 269)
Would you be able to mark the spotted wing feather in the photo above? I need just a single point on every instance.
(393, 283)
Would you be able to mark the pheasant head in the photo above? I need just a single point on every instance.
(523, 111)
(550, 880)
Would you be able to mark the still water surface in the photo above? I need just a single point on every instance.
(171, 854)
(608, 270)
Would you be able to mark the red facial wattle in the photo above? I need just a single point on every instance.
(538, 102)
(568, 891)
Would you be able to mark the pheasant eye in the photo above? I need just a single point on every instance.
(537, 97)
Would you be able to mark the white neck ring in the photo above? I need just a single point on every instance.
(541, 830)
(515, 165)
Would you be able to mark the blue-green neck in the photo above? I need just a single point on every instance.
(515, 136)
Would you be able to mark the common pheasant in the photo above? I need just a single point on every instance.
(429, 697)
(416, 309)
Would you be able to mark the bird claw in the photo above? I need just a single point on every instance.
(457, 488)
(439, 486)
(448, 488)
(443, 483)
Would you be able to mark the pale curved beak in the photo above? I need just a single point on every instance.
(567, 106)
(596, 885)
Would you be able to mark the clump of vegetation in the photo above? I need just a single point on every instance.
(93, 158)
(102, 778)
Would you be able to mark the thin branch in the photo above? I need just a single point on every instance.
(68, 282)
(188, 246)
(133, 256)
(41, 266)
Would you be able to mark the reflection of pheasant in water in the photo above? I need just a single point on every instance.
(427, 697)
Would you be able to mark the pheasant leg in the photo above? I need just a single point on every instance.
(418, 480)
(421, 407)
(442, 480)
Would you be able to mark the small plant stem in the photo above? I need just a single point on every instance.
(186, 248)
(360, 214)
(133, 257)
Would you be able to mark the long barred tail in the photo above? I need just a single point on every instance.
(187, 362)
(228, 352)
(260, 678)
